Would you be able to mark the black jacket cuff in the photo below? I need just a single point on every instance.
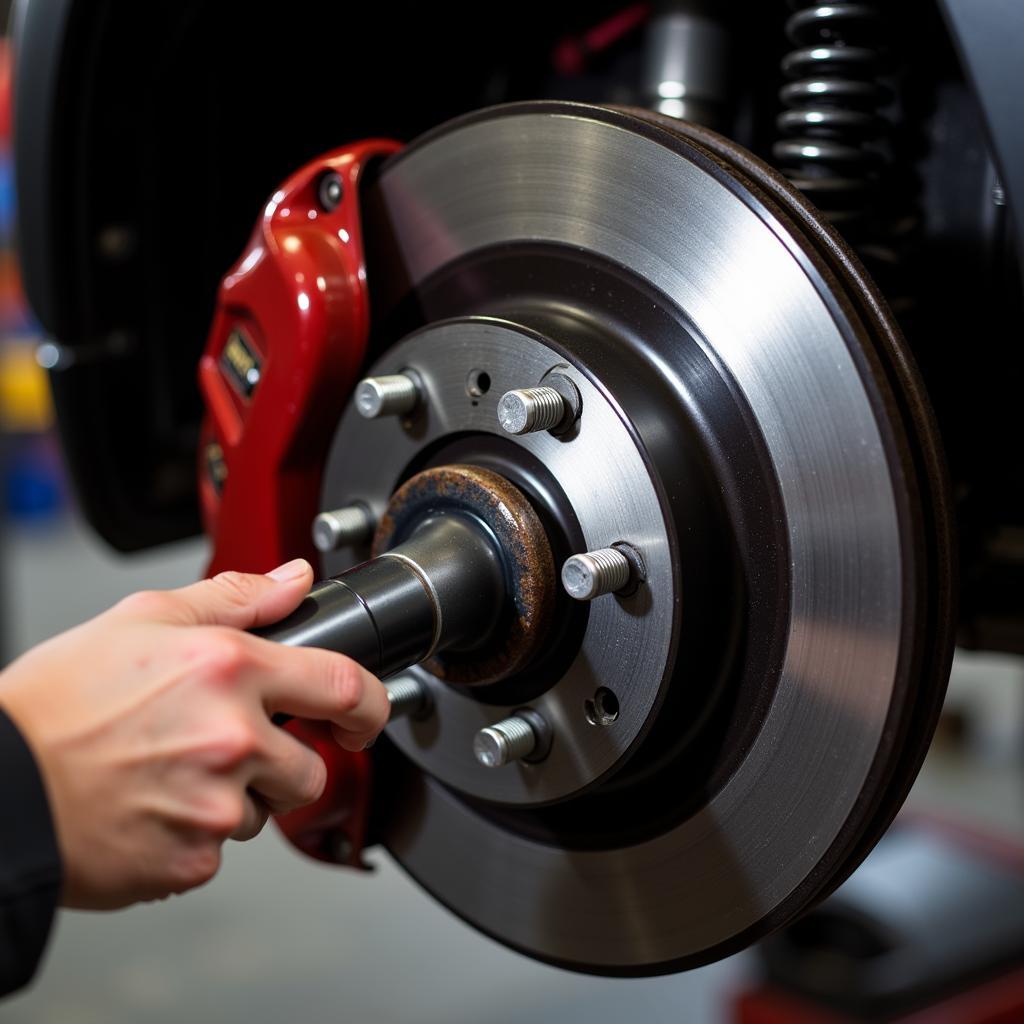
(30, 866)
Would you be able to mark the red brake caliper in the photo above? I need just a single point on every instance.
(288, 339)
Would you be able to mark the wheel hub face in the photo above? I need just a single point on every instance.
(779, 804)
(604, 476)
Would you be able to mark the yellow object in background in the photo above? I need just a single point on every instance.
(25, 402)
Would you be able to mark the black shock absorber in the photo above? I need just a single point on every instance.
(833, 148)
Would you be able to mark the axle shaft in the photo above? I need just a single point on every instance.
(441, 588)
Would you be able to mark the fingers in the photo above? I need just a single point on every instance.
(242, 600)
(353, 741)
(305, 682)
(287, 774)
(273, 773)
(311, 683)
(254, 817)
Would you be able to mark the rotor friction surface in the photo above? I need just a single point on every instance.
(793, 818)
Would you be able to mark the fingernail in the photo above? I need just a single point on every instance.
(369, 743)
(290, 570)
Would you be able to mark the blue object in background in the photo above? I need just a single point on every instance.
(6, 198)
(33, 478)
(31, 469)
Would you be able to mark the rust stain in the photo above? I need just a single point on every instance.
(530, 567)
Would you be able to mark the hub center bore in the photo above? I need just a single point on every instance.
(524, 616)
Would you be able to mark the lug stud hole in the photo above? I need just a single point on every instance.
(478, 383)
(603, 709)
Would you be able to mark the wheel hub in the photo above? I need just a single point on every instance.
(601, 476)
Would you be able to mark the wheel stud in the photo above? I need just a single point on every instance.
(511, 739)
(408, 697)
(341, 527)
(595, 573)
(528, 410)
(392, 395)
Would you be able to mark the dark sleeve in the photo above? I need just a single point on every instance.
(30, 868)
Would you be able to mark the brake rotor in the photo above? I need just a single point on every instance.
(751, 422)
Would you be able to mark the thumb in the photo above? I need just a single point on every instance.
(242, 600)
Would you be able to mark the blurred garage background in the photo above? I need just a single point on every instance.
(278, 937)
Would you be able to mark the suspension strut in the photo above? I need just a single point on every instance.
(832, 123)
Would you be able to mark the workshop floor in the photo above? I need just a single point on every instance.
(276, 937)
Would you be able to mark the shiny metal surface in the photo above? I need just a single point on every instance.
(603, 473)
(407, 696)
(443, 586)
(392, 395)
(330, 191)
(576, 180)
(685, 71)
(333, 617)
(527, 410)
(509, 740)
(341, 527)
(593, 573)
(460, 566)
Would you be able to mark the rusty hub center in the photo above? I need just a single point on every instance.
(526, 553)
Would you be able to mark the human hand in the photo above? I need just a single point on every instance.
(152, 728)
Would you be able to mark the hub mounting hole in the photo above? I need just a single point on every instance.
(478, 383)
(603, 708)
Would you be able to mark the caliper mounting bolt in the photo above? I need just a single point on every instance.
(330, 191)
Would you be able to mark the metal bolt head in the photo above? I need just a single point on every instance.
(329, 191)
(528, 410)
(509, 740)
(391, 395)
(340, 527)
(408, 697)
(594, 573)
(490, 748)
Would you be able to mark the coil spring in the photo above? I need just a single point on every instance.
(831, 120)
